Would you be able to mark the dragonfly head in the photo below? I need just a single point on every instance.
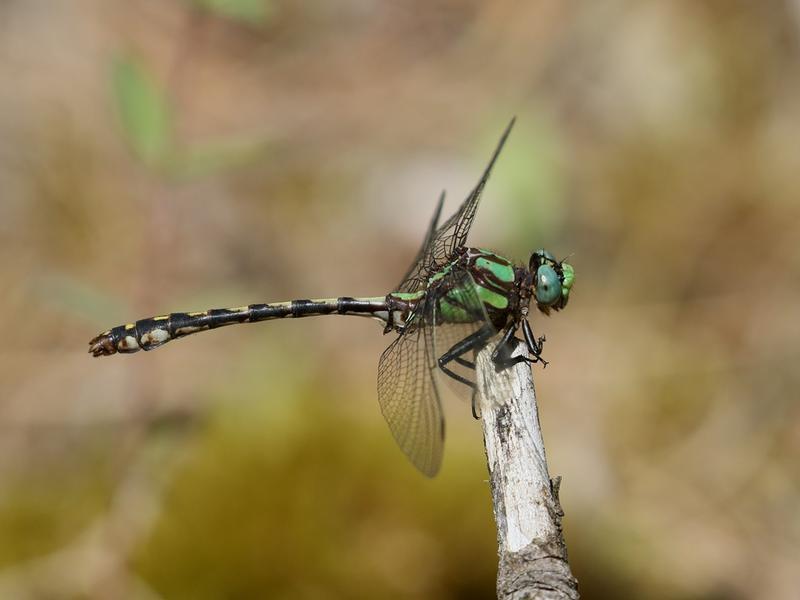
(551, 281)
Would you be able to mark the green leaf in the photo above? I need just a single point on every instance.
(204, 159)
(143, 109)
(254, 12)
(73, 297)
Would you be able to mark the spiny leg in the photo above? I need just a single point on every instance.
(474, 341)
(471, 342)
(535, 345)
(502, 353)
(465, 363)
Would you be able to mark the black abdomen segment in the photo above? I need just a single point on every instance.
(147, 334)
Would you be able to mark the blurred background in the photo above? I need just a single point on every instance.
(169, 155)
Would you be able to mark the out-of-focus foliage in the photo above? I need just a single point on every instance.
(144, 111)
(147, 124)
(248, 11)
(326, 511)
(162, 156)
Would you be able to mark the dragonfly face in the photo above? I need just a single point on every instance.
(551, 281)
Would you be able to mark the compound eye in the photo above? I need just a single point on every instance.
(540, 257)
(548, 287)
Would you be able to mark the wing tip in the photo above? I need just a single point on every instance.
(501, 143)
(438, 211)
(431, 471)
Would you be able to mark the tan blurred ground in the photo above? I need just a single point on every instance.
(658, 142)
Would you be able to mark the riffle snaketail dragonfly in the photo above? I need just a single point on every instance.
(450, 304)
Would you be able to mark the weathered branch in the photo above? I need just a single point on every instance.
(533, 555)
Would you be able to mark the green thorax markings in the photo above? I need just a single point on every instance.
(494, 276)
(492, 299)
(441, 273)
(453, 307)
(498, 266)
(494, 279)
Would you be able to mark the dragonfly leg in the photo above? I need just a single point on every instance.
(535, 345)
(465, 363)
(473, 341)
(502, 354)
(474, 404)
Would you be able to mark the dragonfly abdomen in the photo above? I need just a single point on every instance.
(147, 334)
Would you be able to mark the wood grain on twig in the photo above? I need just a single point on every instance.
(532, 552)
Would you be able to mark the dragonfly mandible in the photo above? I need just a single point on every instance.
(451, 303)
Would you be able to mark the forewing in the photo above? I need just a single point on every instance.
(409, 399)
(412, 280)
(452, 234)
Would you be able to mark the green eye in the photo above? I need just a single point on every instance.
(569, 279)
(548, 287)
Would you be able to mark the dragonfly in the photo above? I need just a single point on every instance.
(452, 302)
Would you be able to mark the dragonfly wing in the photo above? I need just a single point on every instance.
(453, 232)
(409, 399)
(440, 244)
(415, 276)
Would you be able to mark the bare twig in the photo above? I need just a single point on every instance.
(533, 555)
